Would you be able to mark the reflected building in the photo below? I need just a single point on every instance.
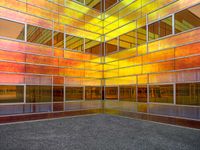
(136, 56)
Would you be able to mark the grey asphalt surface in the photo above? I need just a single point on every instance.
(97, 132)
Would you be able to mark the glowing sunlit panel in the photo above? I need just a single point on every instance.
(179, 39)
(112, 73)
(93, 74)
(169, 9)
(130, 61)
(142, 49)
(12, 4)
(93, 82)
(41, 60)
(71, 63)
(58, 52)
(24, 18)
(12, 67)
(12, 56)
(111, 65)
(158, 56)
(187, 76)
(130, 71)
(141, 22)
(158, 67)
(41, 69)
(44, 4)
(41, 12)
(94, 66)
(11, 78)
(186, 50)
(142, 79)
(74, 81)
(59, 27)
(58, 80)
(127, 80)
(111, 81)
(38, 49)
(38, 80)
(189, 62)
(129, 27)
(167, 77)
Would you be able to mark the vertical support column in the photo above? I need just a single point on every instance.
(84, 93)
(173, 24)
(52, 93)
(118, 93)
(174, 93)
(147, 33)
(64, 90)
(24, 94)
(25, 32)
(148, 98)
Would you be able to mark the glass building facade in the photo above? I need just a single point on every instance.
(139, 56)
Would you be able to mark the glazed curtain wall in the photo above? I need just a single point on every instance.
(50, 54)
(139, 55)
(152, 60)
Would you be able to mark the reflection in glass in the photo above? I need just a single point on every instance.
(141, 35)
(187, 19)
(111, 45)
(74, 43)
(12, 29)
(127, 93)
(160, 28)
(111, 93)
(142, 93)
(93, 47)
(58, 93)
(127, 40)
(74, 93)
(188, 93)
(39, 35)
(92, 93)
(58, 39)
(161, 93)
(38, 93)
(11, 94)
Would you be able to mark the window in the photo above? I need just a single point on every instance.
(141, 35)
(111, 93)
(74, 93)
(58, 93)
(187, 19)
(188, 93)
(127, 40)
(74, 43)
(127, 93)
(11, 94)
(93, 47)
(12, 29)
(160, 28)
(92, 93)
(39, 35)
(109, 3)
(161, 93)
(111, 45)
(58, 39)
(142, 93)
(38, 93)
